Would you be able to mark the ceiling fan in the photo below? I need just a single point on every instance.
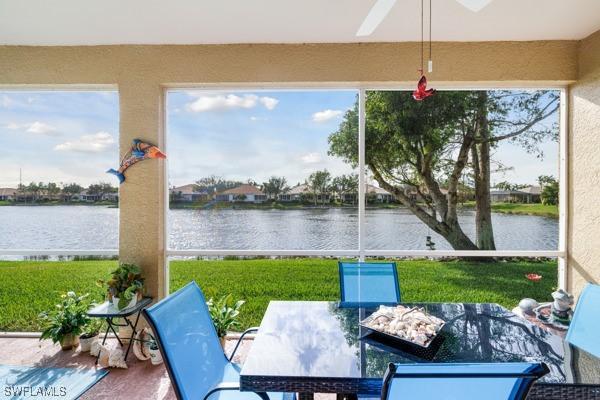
(382, 8)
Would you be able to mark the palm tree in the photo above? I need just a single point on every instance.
(318, 183)
(275, 186)
(71, 189)
(52, 189)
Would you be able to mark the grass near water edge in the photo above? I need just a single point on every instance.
(30, 287)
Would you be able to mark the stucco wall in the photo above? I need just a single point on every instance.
(142, 72)
(584, 169)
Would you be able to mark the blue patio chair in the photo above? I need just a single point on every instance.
(188, 342)
(585, 325)
(492, 381)
(368, 284)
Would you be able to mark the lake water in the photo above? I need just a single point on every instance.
(96, 227)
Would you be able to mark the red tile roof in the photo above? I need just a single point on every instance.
(243, 189)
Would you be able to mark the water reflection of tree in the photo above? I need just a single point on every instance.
(473, 333)
(490, 334)
(372, 361)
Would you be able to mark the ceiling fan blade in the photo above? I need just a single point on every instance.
(475, 5)
(377, 14)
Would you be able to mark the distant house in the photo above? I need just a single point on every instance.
(110, 197)
(244, 193)
(303, 193)
(297, 193)
(86, 197)
(380, 195)
(533, 194)
(376, 193)
(189, 193)
(530, 194)
(8, 194)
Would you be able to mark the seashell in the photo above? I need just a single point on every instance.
(527, 305)
(421, 339)
(95, 349)
(104, 356)
(116, 359)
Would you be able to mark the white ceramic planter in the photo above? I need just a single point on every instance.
(85, 344)
(132, 303)
(155, 356)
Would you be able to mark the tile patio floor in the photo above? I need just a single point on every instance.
(141, 380)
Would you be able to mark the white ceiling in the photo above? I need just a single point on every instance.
(90, 22)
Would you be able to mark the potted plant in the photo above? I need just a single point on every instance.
(89, 334)
(65, 322)
(155, 356)
(124, 286)
(224, 312)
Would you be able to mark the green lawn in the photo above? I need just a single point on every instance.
(28, 288)
(522, 209)
(530, 209)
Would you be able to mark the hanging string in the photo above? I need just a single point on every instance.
(430, 31)
(422, 37)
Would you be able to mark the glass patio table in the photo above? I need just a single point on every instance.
(312, 347)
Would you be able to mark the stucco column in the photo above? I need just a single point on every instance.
(584, 169)
(142, 195)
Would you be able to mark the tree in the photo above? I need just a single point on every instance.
(34, 189)
(505, 185)
(52, 189)
(423, 145)
(318, 183)
(275, 186)
(345, 184)
(549, 194)
(213, 184)
(71, 189)
(544, 180)
(100, 189)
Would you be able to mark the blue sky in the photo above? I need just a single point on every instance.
(253, 135)
(58, 136)
(73, 136)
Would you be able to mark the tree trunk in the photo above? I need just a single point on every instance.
(448, 228)
(480, 153)
(483, 209)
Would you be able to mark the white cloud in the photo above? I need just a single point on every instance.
(311, 158)
(36, 127)
(326, 115)
(40, 127)
(220, 102)
(94, 143)
(269, 102)
(255, 118)
(6, 101)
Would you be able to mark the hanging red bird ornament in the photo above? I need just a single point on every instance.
(422, 92)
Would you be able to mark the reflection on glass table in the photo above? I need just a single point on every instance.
(317, 347)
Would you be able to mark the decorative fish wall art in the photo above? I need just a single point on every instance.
(139, 151)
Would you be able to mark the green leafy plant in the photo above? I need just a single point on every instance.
(125, 283)
(69, 317)
(224, 313)
(92, 328)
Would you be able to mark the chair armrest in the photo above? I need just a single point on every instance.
(247, 331)
(231, 386)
